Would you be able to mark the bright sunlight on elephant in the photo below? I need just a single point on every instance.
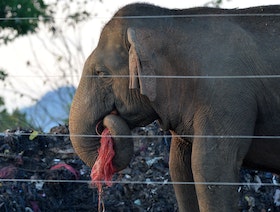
(202, 72)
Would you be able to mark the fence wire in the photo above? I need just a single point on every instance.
(155, 76)
(154, 136)
(151, 16)
(142, 182)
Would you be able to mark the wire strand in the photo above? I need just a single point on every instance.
(156, 76)
(142, 182)
(150, 16)
(150, 136)
(198, 16)
(189, 77)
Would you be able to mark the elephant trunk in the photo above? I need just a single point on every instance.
(123, 147)
(86, 142)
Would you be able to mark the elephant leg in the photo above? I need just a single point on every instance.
(180, 171)
(217, 162)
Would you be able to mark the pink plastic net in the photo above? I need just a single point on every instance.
(103, 169)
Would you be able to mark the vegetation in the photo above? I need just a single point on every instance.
(49, 24)
(7, 120)
(20, 18)
(14, 119)
(13, 24)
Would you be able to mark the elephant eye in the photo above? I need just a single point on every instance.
(100, 71)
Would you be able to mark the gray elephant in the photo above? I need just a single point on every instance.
(204, 72)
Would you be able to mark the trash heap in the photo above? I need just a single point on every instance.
(41, 172)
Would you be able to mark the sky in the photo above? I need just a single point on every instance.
(26, 79)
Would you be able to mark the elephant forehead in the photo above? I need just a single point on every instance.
(112, 56)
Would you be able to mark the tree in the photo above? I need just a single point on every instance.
(50, 26)
(215, 3)
(14, 119)
(11, 120)
(19, 18)
(62, 42)
(3, 75)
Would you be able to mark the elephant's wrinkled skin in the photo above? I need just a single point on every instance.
(188, 46)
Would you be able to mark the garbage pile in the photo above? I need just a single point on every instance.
(41, 172)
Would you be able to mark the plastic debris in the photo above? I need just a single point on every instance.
(51, 177)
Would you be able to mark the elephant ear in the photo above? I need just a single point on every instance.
(141, 69)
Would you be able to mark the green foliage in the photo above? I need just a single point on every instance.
(3, 75)
(11, 120)
(215, 3)
(20, 17)
(24, 17)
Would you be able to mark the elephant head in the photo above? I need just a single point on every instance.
(112, 82)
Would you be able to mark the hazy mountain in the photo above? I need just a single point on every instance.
(51, 110)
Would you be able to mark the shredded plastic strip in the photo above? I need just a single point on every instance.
(103, 168)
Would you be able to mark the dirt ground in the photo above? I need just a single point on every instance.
(42, 173)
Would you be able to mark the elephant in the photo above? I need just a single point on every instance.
(209, 76)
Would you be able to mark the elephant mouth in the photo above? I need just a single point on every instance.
(99, 128)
